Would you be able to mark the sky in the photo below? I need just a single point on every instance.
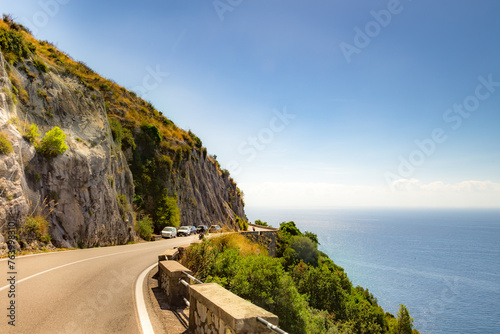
(324, 104)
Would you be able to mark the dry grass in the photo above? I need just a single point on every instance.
(244, 246)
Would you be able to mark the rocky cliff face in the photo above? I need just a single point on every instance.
(75, 187)
(89, 194)
(206, 196)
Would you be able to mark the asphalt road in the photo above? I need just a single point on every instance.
(78, 291)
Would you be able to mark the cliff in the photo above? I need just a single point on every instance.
(124, 159)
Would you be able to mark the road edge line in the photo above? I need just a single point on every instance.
(146, 326)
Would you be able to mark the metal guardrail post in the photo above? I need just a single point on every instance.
(192, 277)
(186, 284)
(271, 326)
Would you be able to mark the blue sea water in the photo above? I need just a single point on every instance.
(443, 264)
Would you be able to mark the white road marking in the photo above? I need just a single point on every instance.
(146, 326)
(71, 263)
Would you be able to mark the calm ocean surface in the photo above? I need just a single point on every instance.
(444, 265)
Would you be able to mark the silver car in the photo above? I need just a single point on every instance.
(184, 230)
(169, 232)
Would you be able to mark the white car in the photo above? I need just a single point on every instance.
(169, 232)
(184, 230)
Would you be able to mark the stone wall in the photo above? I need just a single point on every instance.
(264, 238)
(170, 274)
(212, 309)
(216, 310)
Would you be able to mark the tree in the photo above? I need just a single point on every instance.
(261, 223)
(312, 236)
(290, 228)
(53, 143)
(167, 212)
(305, 249)
(404, 323)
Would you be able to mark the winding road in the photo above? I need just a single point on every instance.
(78, 291)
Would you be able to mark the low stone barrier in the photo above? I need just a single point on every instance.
(264, 238)
(170, 274)
(216, 310)
(169, 254)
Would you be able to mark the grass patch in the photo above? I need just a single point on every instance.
(5, 145)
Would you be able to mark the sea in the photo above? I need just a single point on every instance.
(442, 264)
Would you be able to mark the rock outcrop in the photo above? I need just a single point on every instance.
(81, 190)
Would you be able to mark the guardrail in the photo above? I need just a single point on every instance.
(187, 285)
(266, 323)
(269, 325)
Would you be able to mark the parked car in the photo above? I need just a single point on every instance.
(214, 229)
(193, 229)
(201, 228)
(169, 232)
(184, 230)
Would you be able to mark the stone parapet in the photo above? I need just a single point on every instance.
(216, 310)
(170, 274)
(169, 254)
(264, 238)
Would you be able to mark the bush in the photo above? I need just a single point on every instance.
(40, 66)
(167, 212)
(5, 145)
(146, 228)
(116, 130)
(32, 134)
(53, 143)
(37, 228)
(242, 223)
(261, 223)
(128, 139)
(13, 45)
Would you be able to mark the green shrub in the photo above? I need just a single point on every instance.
(13, 45)
(165, 161)
(36, 228)
(261, 223)
(167, 212)
(116, 130)
(40, 66)
(146, 228)
(128, 139)
(242, 223)
(42, 94)
(5, 145)
(53, 143)
(32, 134)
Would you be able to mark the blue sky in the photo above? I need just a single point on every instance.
(310, 105)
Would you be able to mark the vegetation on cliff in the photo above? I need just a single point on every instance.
(302, 286)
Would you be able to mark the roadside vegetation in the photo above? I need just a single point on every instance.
(302, 286)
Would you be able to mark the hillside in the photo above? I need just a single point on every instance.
(118, 159)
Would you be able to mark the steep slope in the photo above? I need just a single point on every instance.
(123, 157)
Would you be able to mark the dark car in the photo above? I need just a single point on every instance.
(201, 228)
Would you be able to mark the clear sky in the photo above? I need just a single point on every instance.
(310, 104)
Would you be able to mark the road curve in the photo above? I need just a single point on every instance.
(79, 291)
